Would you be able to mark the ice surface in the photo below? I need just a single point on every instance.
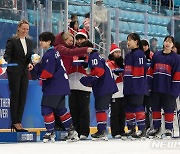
(113, 146)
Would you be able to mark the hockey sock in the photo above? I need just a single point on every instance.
(130, 117)
(101, 120)
(49, 119)
(140, 117)
(49, 122)
(130, 120)
(156, 115)
(65, 117)
(169, 117)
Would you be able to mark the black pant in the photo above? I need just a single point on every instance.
(18, 85)
(117, 118)
(79, 109)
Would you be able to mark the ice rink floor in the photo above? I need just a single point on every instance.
(113, 146)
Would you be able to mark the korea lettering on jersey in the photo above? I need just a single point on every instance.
(134, 73)
(164, 73)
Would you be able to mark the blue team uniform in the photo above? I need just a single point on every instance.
(100, 78)
(103, 86)
(164, 73)
(55, 86)
(135, 82)
(164, 83)
(52, 72)
(135, 87)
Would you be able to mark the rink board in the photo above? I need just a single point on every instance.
(18, 137)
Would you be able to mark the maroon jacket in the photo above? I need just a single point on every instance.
(67, 52)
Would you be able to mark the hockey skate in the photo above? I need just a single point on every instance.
(99, 136)
(167, 134)
(140, 134)
(72, 135)
(128, 134)
(154, 133)
(49, 136)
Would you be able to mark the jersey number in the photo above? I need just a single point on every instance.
(94, 61)
(140, 61)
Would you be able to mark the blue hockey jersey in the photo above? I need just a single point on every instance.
(164, 73)
(135, 82)
(100, 77)
(52, 72)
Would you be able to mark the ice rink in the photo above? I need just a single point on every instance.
(113, 146)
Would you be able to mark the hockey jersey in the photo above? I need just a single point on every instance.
(134, 80)
(164, 73)
(52, 72)
(100, 77)
(118, 79)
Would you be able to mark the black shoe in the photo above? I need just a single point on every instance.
(14, 128)
(83, 137)
(100, 135)
(118, 136)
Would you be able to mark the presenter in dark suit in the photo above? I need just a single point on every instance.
(18, 50)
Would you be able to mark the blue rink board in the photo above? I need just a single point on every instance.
(18, 137)
(32, 117)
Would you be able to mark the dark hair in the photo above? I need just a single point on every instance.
(177, 45)
(47, 36)
(73, 15)
(119, 61)
(87, 15)
(171, 38)
(72, 23)
(144, 43)
(80, 36)
(153, 39)
(87, 44)
(135, 37)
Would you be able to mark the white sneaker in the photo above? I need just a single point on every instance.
(118, 136)
(83, 137)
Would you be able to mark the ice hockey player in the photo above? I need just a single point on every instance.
(135, 87)
(103, 86)
(164, 84)
(55, 86)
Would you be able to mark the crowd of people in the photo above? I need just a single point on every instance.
(134, 87)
